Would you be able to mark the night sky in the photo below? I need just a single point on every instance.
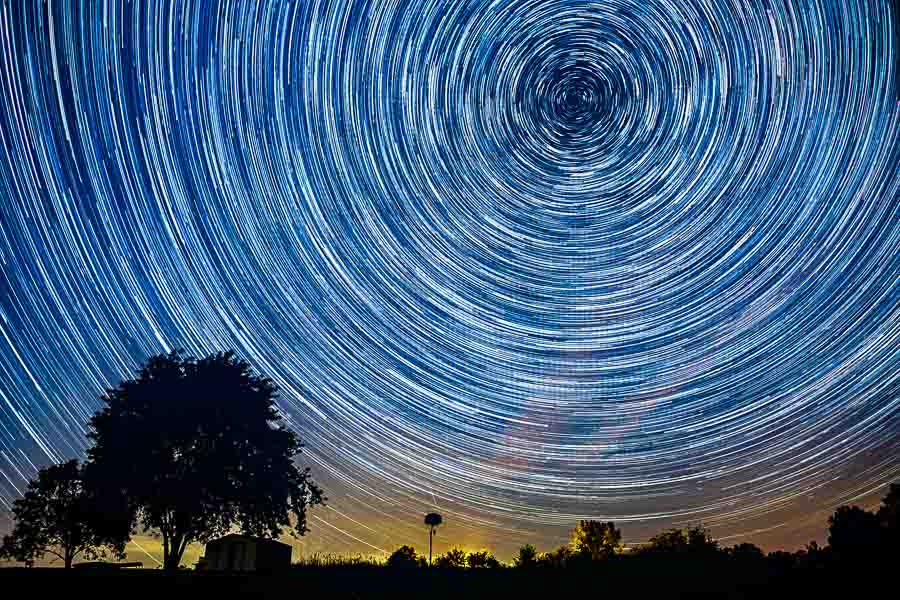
(517, 262)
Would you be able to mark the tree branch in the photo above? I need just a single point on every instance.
(55, 553)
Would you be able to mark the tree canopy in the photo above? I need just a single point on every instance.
(405, 557)
(199, 448)
(854, 532)
(527, 556)
(889, 512)
(692, 540)
(482, 559)
(596, 539)
(455, 558)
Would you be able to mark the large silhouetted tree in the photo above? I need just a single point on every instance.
(596, 539)
(57, 515)
(198, 448)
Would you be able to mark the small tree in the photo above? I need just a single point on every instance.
(198, 448)
(404, 557)
(58, 516)
(482, 559)
(596, 539)
(433, 520)
(455, 558)
(527, 556)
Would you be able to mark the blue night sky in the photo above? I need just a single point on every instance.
(519, 262)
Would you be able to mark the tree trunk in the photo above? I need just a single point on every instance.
(165, 537)
(68, 561)
(171, 561)
(174, 550)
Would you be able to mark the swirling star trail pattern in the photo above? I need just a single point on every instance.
(520, 262)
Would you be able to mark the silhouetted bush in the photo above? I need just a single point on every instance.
(693, 540)
(482, 559)
(556, 559)
(406, 557)
(454, 558)
(527, 557)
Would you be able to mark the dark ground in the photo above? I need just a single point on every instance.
(620, 581)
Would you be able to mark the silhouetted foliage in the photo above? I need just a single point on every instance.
(455, 558)
(556, 559)
(745, 552)
(527, 557)
(812, 556)
(57, 515)
(889, 514)
(854, 532)
(197, 447)
(596, 539)
(405, 557)
(781, 561)
(332, 560)
(433, 520)
(692, 540)
(482, 559)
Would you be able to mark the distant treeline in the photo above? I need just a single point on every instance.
(855, 534)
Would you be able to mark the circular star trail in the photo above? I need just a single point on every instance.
(519, 262)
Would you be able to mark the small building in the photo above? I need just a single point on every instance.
(236, 552)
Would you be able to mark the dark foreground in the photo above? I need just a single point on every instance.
(671, 581)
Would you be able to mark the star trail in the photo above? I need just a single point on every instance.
(521, 262)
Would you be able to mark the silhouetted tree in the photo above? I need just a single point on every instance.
(405, 557)
(197, 447)
(813, 556)
(889, 513)
(781, 561)
(482, 559)
(692, 540)
(527, 556)
(854, 532)
(58, 516)
(596, 539)
(455, 558)
(745, 552)
(433, 520)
